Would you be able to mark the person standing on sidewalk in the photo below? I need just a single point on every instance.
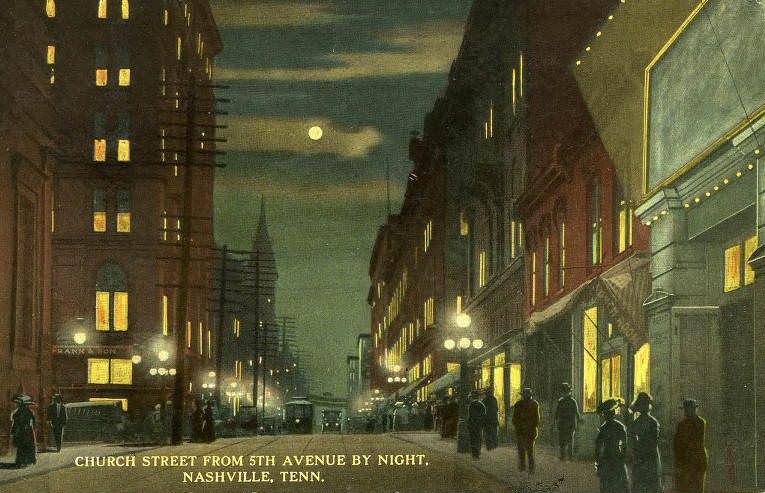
(476, 416)
(610, 446)
(526, 423)
(566, 419)
(57, 417)
(23, 432)
(690, 453)
(491, 423)
(646, 471)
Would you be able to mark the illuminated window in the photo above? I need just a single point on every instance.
(123, 61)
(611, 378)
(732, 268)
(643, 369)
(520, 74)
(102, 9)
(125, 9)
(499, 385)
(482, 269)
(562, 255)
(428, 234)
(177, 230)
(99, 211)
(112, 304)
(201, 337)
(121, 401)
(98, 371)
(101, 61)
(596, 237)
(590, 355)
(165, 17)
(99, 137)
(52, 75)
(486, 373)
(750, 245)
(50, 8)
(624, 225)
(164, 225)
(179, 47)
(512, 239)
(123, 136)
(123, 211)
(165, 316)
(516, 374)
(533, 278)
(464, 226)
(102, 76)
(513, 91)
(459, 304)
(123, 150)
(546, 267)
(209, 343)
(51, 57)
(121, 371)
(237, 327)
(429, 312)
(188, 334)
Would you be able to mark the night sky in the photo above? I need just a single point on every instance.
(366, 72)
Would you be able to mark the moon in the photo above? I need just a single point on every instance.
(315, 133)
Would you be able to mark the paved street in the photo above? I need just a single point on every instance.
(441, 470)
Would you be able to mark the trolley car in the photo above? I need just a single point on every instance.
(298, 416)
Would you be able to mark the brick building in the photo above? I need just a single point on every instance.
(27, 156)
(122, 74)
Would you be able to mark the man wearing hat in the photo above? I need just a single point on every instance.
(57, 418)
(476, 415)
(610, 447)
(526, 423)
(566, 418)
(491, 422)
(646, 471)
(23, 431)
(690, 453)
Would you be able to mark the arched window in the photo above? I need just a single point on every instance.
(111, 299)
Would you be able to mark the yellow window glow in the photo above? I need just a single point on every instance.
(520, 75)
(643, 369)
(165, 319)
(486, 373)
(464, 226)
(52, 75)
(98, 371)
(188, 334)
(164, 225)
(546, 271)
(612, 379)
(102, 9)
(102, 77)
(590, 340)
(165, 17)
(50, 8)
(732, 268)
(516, 372)
(750, 245)
(512, 239)
(102, 310)
(121, 401)
(179, 47)
(124, 77)
(209, 343)
(499, 385)
(121, 372)
(482, 269)
(513, 90)
(99, 150)
(201, 337)
(125, 9)
(605, 380)
(120, 311)
(123, 150)
(459, 304)
(533, 278)
(123, 222)
(562, 253)
(51, 58)
(622, 230)
(99, 222)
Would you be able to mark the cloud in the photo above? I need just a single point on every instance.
(373, 191)
(237, 13)
(428, 48)
(247, 133)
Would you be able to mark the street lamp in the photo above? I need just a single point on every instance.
(463, 345)
(80, 337)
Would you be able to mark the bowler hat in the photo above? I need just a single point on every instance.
(690, 403)
(526, 392)
(565, 387)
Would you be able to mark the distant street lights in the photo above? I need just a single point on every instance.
(463, 345)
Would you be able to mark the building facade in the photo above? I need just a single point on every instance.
(135, 81)
(27, 158)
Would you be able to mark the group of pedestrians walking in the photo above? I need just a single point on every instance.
(627, 436)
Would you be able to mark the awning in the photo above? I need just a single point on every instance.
(445, 381)
(557, 309)
(412, 386)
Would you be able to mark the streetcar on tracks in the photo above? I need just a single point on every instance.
(298, 416)
(331, 420)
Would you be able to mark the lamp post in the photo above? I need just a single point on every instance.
(463, 345)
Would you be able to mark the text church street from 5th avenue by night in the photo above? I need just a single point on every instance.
(374, 245)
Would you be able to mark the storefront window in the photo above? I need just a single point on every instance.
(499, 385)
(486, 373)
(643, 369)
(732, 268)
(750, 245)
(516, 372)
(590, 354)
(611, 378)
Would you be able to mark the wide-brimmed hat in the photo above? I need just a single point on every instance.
(526, 392)
(690, 403)
(565, 387)
(607, 406)
(642, 399)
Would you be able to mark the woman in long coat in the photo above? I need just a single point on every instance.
(208, 424)
(646, 471)
(23, 432)
(609, 449)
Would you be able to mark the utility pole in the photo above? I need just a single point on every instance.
(256, 341)
(221, 322)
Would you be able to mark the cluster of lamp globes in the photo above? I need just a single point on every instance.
(397, 379)
(162, 371)
(463, 321)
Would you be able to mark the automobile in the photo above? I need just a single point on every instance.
(95, 422)
(331, 421)
(298, 416)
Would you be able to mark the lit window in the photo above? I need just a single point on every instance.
(125, 9)
(179, 47)
(164, 225)
(123, 211)
(520, 74)
(165, 316)
(120, 311)
(486, 373)
(209, 343)
(562, 253)
(512, 239)
(98, 371)
(99, 211)
(201, 337)
(165, 17)
(188, 334)
(459, 304)
(750, 245)
(50, 8)
(102, 9)
(102, 310)
(123, 143)
(513, 91)
(124, 77)
(732, 268)
(123, 61)
(52, 75)
(643, 369)
(99, 137)
(102, 77)
(428, 234)
(177, 230)
(625, 225)
(611, 378)
(499, 385)
(533, 278)
(516, 373)
(590, 343)
(596, 238)
(464, 226)
(482, 269)
(123, 150)
(546, 267)
(51, 58)
(121, 372)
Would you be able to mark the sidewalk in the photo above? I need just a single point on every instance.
(502, 464)
(48, 461)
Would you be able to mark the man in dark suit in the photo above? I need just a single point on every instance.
(57, 418)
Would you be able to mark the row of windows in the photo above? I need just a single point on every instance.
(122, 211)
(105, 371)
(101, 8)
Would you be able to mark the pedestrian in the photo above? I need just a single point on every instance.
(23, 431)
(476, 415)
(208, 424)
(690, 453)
(197, 420)
(644, 430)
(57, 418)
(610, 448)
(491, 422)
(526, 423)
(566, 419)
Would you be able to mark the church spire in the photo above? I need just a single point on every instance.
(262, 240)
